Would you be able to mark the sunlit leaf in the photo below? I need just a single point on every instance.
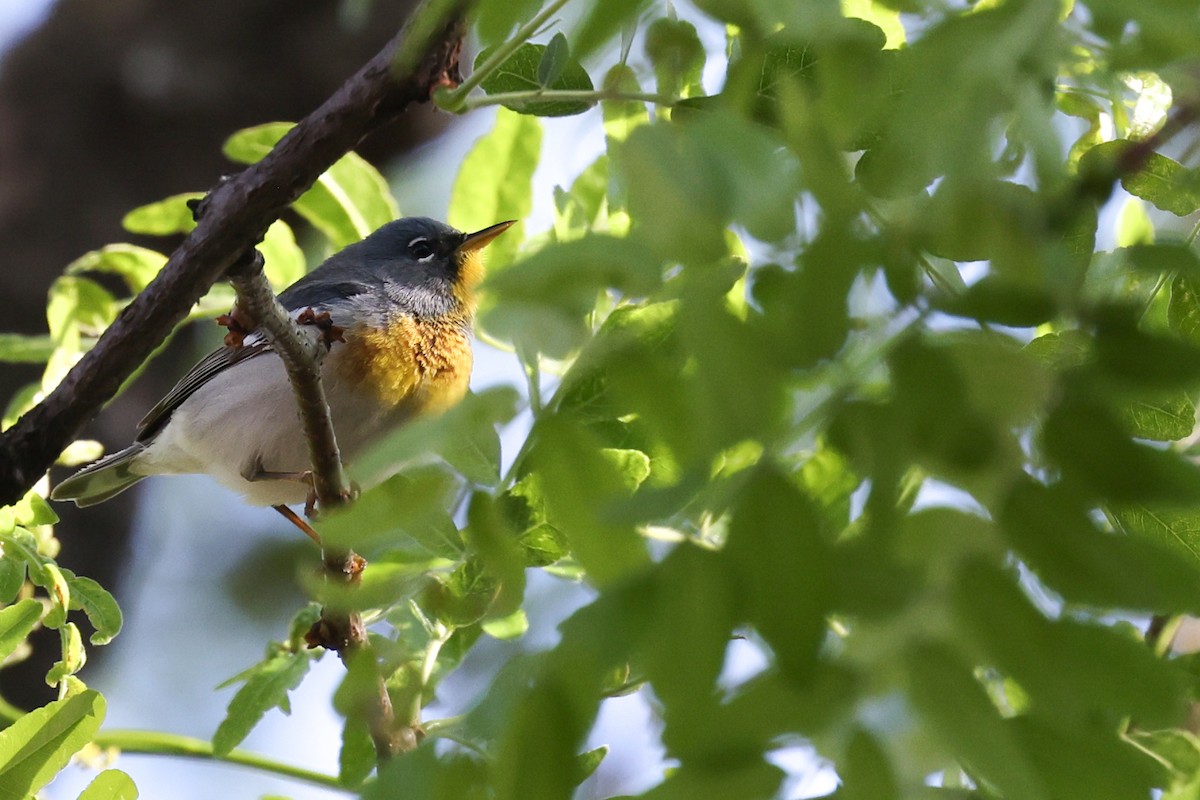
(349, 201)
(264, 686)
(162, 218)
(356, 758)
(35, 747)
(101, 608)
(16, 622)
(112, 784)
(675, 50)
(536, 66)
(136, 265)
(17, 348)
(284, 262)
(502, 160)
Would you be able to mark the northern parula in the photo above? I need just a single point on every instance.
(404, 299)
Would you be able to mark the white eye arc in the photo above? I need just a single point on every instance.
(420, 249)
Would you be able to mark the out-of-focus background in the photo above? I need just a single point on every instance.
(107, 106)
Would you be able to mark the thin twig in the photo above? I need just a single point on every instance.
(530, 96)
(170, 744)
(302, 351)
(452, 100)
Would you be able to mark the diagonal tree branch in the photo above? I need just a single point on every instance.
(237, 214)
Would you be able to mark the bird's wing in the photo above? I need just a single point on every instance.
(205, 369)
(308, 292)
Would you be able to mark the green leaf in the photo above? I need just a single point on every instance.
(750, 778)
(410, 506)
(696, 601)
(1133, 224)
(16, 623)
(356, 758)
(576, 481)
(677, 55)
(386, 584)
(523, 71)
(1097, 456)
(604, 21)
(1061, 545)
(881, 13)
(779, 555)
(1163, 258)
(78, 305)
(513, 626)
(98, 604)
(1183, 312)
(465, 436)
(866, 772)
(426, 775)
(163, 218)
(634, 465)
(621, 117)
(543, 302)
(266, 686)
(1162, 181)
(38, 745)
(495, 21)
(112, 784)
(16, 348)
(283, 260)
(554, 60)
(48, 576)
(964, 722)
(578, 209)
(747, 178)
(1163, 419)
(494, 183)
(136, 265)
(33, 510)
(590, 761)
(1177, 529)
(12, 577)
(73, 656)
(1073, 673)
(350, 199)
(1062, 350)
(1085, 761)
(1167, 184)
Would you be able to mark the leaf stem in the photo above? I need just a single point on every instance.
(170, 744)
(1163, 279)
(455, 99)
(561, 96)
(442, 634)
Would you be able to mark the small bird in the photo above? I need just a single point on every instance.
(402, 301)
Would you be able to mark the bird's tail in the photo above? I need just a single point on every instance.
(98, 482)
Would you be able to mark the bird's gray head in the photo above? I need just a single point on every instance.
(425, 266)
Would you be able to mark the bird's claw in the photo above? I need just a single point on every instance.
(330, 333)
(237, 325)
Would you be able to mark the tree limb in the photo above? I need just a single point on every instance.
(301, 352)
(238, 212)
(301, 347)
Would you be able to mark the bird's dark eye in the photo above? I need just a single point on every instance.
(420, 249)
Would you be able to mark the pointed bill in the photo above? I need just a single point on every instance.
(480, 239)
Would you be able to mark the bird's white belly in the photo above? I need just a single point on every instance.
(245, 420)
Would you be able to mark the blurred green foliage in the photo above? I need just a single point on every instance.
(878, 351)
